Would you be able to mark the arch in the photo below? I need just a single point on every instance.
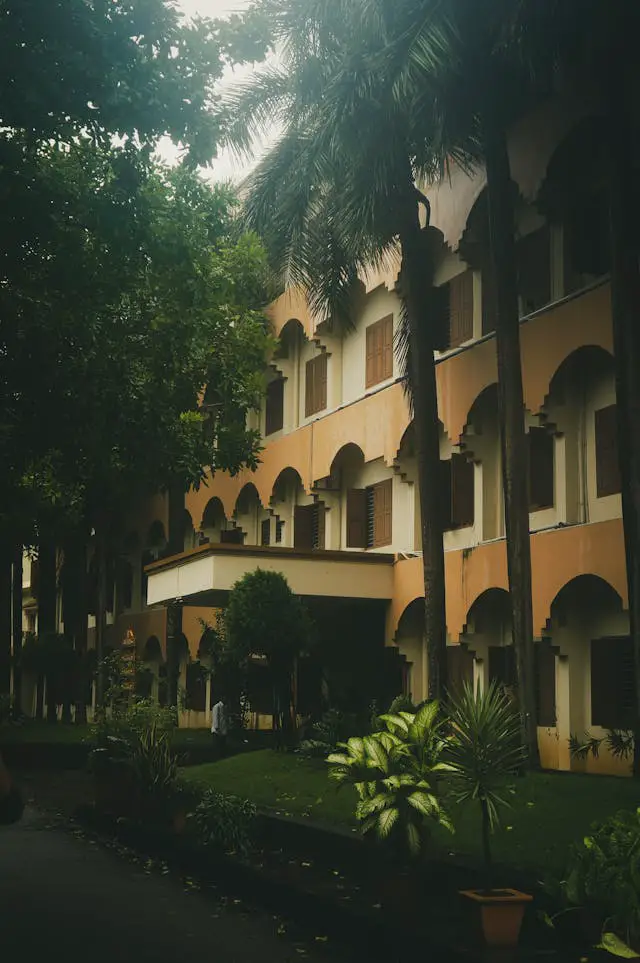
(152, 651)
(287, 478)
(349, 458)
(182, 653)
(588, 362)
(461, 379)
(577, 158)
(291, 305)
(156, 537)
(213, 513)
(587, 593)
(491, 606)
(247, 494)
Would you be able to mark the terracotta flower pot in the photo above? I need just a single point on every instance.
(501, 914)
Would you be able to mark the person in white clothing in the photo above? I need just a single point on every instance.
(219, 726)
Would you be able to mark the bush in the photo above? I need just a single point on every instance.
(325, 735)
(126, 723)
(604, 874)
(225, 822)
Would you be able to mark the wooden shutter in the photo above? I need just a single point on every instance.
(545, 667)
(382, 505)
(379, 351)
(279, 530)
(613, 701)
(386, 326)
(462, 491)
(232, 536)
(265, 531)
(316, 385)
(607, 466)
(371, 518)
(460, 666)
(318, 525)
(445, 494)
(534, 270)
(356, 518)
(541, 469)
(274, 413)
(461, 308)
(502, 664)
(303, 527)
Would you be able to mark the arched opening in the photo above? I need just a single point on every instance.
(287, 497)
(409, 640)
(155, 545)
(574, 198)
(581, 408)
(189, 537)
(213, 523)
(481, 445)
(148, 669)
(487, 633)
(246, 518)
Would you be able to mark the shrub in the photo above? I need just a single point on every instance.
(225, 822)
(324, 735)
(395, 773)
(604, 874)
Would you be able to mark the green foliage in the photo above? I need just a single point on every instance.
(604, 874)
(332, 728)
(128, 722)
(619, 742)
(395, 773)
(225, 822)
(485, 751)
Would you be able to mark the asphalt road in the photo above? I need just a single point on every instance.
(66, 898)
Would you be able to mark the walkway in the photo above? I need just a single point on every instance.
(66, 898)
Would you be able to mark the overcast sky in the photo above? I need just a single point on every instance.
(225, 166)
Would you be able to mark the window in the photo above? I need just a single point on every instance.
(458, 496)
(265, 531)
(232, 536)
(585, 241)
(369, 515)
(541, 469)
(196, 690)
(315, 398)
(460, 308)
(460, 667)
(274, 409)
(607, 465)
(309, 526)
(545, 671)
(379, 351)
(533, 253)
(613, 702)
(279, 530)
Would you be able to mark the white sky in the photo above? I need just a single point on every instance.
(225, 166)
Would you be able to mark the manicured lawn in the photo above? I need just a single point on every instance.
(548, 812)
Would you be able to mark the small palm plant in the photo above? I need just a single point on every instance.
(395, 773)
(485, 751)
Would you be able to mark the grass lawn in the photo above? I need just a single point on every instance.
(548, 812)
(42, 732)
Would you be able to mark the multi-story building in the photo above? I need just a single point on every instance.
(334, 504)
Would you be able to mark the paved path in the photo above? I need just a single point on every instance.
(68, 899)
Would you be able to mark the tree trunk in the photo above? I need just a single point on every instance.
(625, 298)
(74, 599)
(5, 622)
(101, 617)
(511, 414)
(16, 628)
(175, 545)
(416, 291)
(486, 845)
(47, 620)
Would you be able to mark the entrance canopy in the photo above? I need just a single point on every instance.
(204, 575)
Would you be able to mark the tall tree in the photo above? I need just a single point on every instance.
(337, 194)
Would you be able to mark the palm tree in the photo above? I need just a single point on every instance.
(337, 194)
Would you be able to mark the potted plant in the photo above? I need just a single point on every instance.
(485, 752)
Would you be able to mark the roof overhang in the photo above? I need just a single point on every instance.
(204, 575)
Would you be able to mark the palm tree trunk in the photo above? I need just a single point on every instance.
(511, 413)
(5, 622)
(416, 291)
(486, 845)
(75, 615)
(16, 627)
(175, 545)
(101, 617)
(47, 622)
(625, 297)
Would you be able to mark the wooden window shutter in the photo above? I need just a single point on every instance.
(232, 536)
(303, 527)
(445, 494)
(321, 363)
(461, 308)
(274, 413)
(545, 668)
(318, 525)
(265, 531)
(534, 270)
(607, 466)
(462, 491)
(381, 513)
(379, 351)
(371, 518)
(356, 518)
(541, 469)
(387, 347)
(309, 389)
(315, 385)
